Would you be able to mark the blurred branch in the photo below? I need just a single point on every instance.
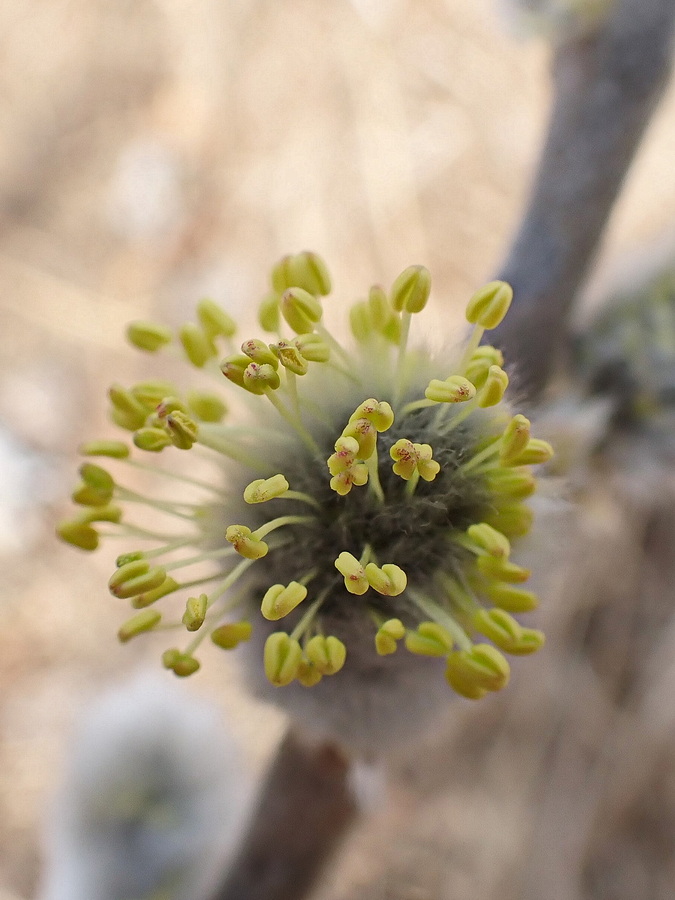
(606, 88)
(305, 808)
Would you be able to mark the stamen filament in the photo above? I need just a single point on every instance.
(294, 422)
(374, 476)
(308, 617)
(279, 523)
(441, 617)
(474, 340)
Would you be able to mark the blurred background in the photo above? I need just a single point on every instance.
(155, 151)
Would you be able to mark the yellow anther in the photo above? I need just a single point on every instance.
(197, 345)
(516, 484)
(181, 429)
(379, 413)
(268, 312)
(207, 407)
(113, 449)
(229, 636)
(343, 482)
(245, 542)
(214, 320)
(410, 458)
(259, 352)
(502, 629)
(430, 639)
(388, 634)
(360, 321)
(502, 569)
(308, 674)
(148, 336)
(312, 347)
(531, 640)
(455, 389)
(99, 483)
(195, 612)
(263, 489)
(514, 440)
(135, 578)
(536, 451)
(327, 653)
(233, 368)
(426, 466)
(490, 540)
(168, 586)
(78, 534)
(282, 658)
(300, 309)
(378, 307)
(127, 411)
(346, 453)
(279, 600)
(287, 353)
(365, 434)
(150, 393)
(489, 305)
(512, 599)
(513, 519)
(494, 388)
(182, 664)
(410, 291)
(305, 270)
(483, 667)
(152, 440)
(479, 364)
(353, 573)
(167, 406)
(390, 580)
(108, 513)
(142, 621)
(258, 379)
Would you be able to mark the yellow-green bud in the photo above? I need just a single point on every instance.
(516, 484)
(327, 653)
(490, 540)
(514, 440)
(182, 430)
(135, 578)
(180, 663)
(489, 305)
(502, 629)
(378, 307)
(207, 407)
(290, 357)
(151, 393)
(268, 313)
(279, 600)
(229, 636)
(97, 478)
(531, 640)
(142, 621)
(392, 330)
(360, 322)
(512, 599)
(125, 558)
(300, 309)
(128, 412)
(195, 612)
(108, 513)
(198, 347)
(494, 388)
(514, 519)
(245, 542)
(148, 336)
(304, 270)
(535, 452)
(113, 449)
(78, 535)
(168, 586)
(167, 406)
(258, 379)
(410, 291)
(502, 569)
(481, 359)
(430, 639)
(378, 412)
(455, 389)
(214, 320)
(259, 352)
(86, 495)
(482, 667)
(387, 636)
(312, 347)
(308, 674)
(353, 573)
(152, 440)
(390, 580)
(233, 368)
(282, 657)
(263, 489)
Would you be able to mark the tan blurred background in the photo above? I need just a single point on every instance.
(157, 150)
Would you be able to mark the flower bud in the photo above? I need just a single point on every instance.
(245, 542)
(514, 440)
(113, 449)
(279, 600)
(168, 586)
(195, 612)
(127, 411)
(312, 347)
(207, 407)
(493, 390)
(148, 336)
(135, 578)
(153, 440)
(282, 657)
(233, 368)
(390, 580)
(78, 534)
(198, 348)
(263, 489)
(259, 352)
(489, 305)
(502, 569)
(142, 621)
(387, 636)
(327, 653)
(214, 320)
(300, 309)
(490, 540)
(268, 313)
(455, 389)
(353, 572)
(535, 452)
(410, 291)
(512, 599)
(231, 635)
(181, 663)
(258, 379)
(430, 639)
(500, 627)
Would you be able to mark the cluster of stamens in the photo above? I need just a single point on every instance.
(412, 506)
